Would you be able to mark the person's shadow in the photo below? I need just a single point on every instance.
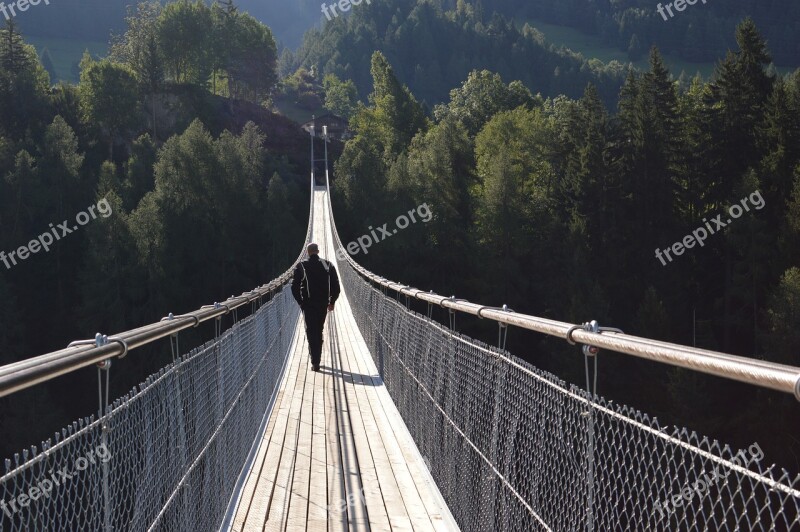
(355, 378)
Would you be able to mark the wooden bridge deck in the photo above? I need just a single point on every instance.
(336, 454)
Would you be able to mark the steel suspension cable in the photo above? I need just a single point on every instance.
(780, 377)
(29, 372)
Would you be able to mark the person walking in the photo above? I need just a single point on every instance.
(315, 287)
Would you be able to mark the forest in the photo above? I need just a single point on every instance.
(434, 50)
(552, 180)
(704, 33)
(203, 182)
(556, 206)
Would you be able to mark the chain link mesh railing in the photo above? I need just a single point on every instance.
(515, 448)
(510, 447)
(168, 455)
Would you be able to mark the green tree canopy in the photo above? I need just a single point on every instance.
(341, 97)
(482, 96)
(109, 97)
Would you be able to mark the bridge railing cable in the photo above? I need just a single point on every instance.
(761, 373)
(169, 455)
(512, 447)
(29, 372)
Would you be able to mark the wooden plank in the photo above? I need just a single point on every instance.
(281, 494)
(387, 482)
(301, 476)
(335, 472)
(263, 497)
(352, 502)
(422, 498)
(255, 496)
(383, 452)
(318, 485)
(361, 453)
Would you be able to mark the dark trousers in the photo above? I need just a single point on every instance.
(315, 321)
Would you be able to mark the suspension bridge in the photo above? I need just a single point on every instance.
(409, 426)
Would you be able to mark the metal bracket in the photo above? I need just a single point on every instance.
(235, 311)
(254, 302)
(99, 341)
(171, 316)
(174, 346)
(502, 333)
(217, 323)
(452, 299)
(592, 327)
(103, 366)
(408, 300)
(590, 350)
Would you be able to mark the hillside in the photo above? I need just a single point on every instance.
(96, 20)
(698, 33)
(434, 50)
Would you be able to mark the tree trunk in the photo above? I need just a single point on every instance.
(154, 115)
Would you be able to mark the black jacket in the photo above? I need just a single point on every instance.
(315, 283)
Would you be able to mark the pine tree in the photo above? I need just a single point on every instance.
(663, 146)
(779, 139)
(139, 49)
(739, 94)
(13, 55)
(694, 160)
(648, 145)
(23, 83)
(399, 115)
(736, 106)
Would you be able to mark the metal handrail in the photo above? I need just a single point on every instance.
(32, 371)
(780, 377)
(24, 374)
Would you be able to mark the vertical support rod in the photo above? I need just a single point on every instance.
(313, 176)
(104, 367)
(325, 141)
(104, 440)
